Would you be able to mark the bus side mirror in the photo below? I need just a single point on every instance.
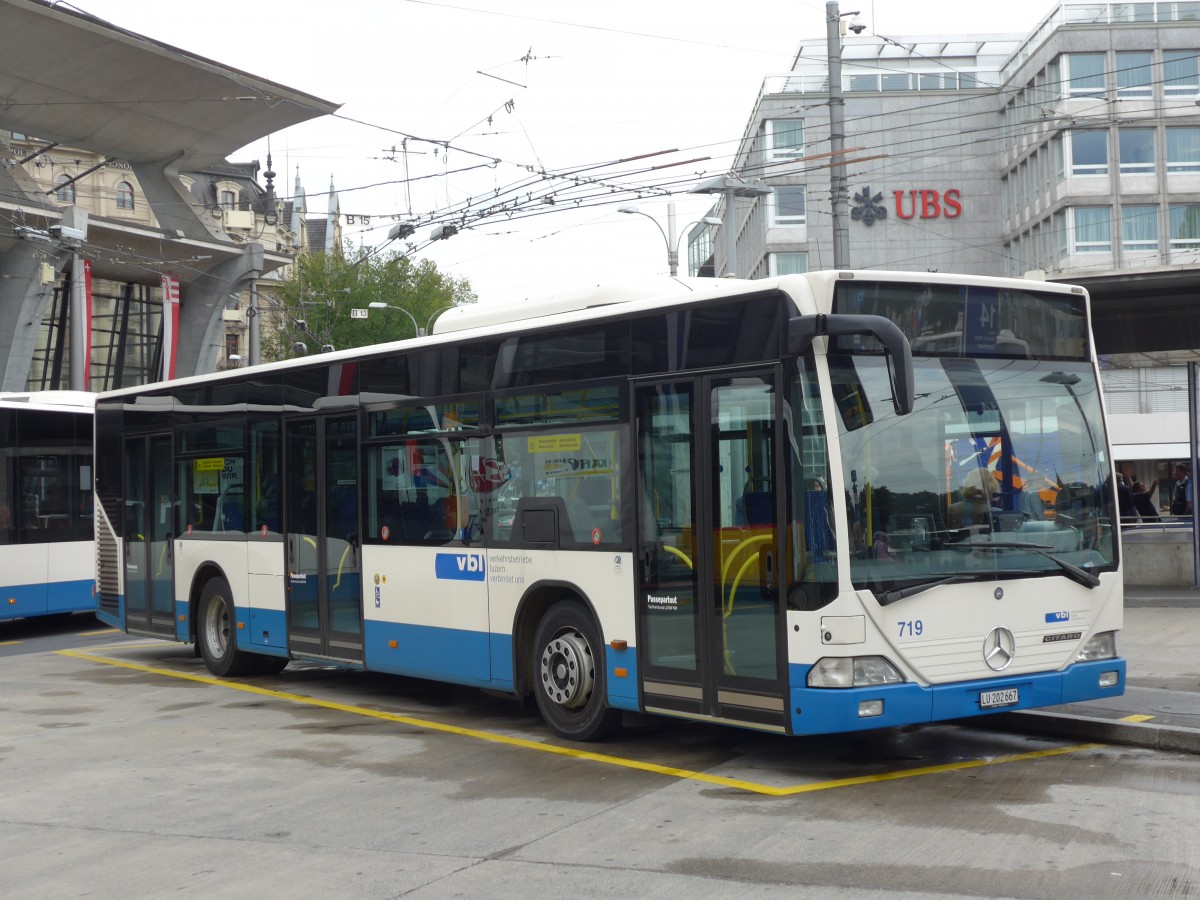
(803, 330)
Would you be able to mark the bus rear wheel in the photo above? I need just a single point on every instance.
(217, 635)
(569, 675)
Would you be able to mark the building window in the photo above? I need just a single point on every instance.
(1056, 147)
(1085, 74)
(228, 200)
(1185, 226)
(1181, 77)
(1093, 229)
(1061, 233)
(1054, 85)
(785, 138)
(124, 195)
(1136, 149)
(788, 206)
(1133, 74)
(64, 192)
(232, 343)
(1132, 12)
(789, 263)
(1183, 149)
(1139, 227)
(1089, 152)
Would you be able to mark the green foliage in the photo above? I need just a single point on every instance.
(322, 290)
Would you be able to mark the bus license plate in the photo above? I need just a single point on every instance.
(993, 699)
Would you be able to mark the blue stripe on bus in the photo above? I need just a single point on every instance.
(21, 600)
(266, 629)
(445, 654)
(622, 690)
(827, 710)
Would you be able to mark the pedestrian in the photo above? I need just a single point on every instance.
(1143, 500)
(1181, 495)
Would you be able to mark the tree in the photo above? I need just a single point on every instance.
(311, 309)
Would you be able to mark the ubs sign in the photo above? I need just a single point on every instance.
(919, 203)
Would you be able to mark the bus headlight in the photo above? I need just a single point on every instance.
(1101, 646)
(852, 671)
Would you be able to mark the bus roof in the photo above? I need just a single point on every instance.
(75, 401)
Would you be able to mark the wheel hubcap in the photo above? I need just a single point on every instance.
(566, 670)
(217, 627)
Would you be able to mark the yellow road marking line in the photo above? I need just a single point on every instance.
(1137, 718)
(604, 758)
(8, 643)
(101, 631)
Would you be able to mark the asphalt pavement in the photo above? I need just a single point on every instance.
(1160, 708)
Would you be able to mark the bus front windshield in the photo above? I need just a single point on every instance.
(999, 472)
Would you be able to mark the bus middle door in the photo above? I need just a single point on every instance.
(324, 561)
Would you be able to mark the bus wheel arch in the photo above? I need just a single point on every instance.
(559, 649)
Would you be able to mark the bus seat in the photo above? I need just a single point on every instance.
(228, 515)
(759, 507)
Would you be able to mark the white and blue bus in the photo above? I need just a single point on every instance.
(47, 559)
(743, 502)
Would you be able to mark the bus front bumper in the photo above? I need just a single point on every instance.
(830, 710)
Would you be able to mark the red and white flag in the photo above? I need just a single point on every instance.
(170, 338)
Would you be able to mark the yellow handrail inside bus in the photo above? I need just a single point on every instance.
(756, 539)
(341, 564)
(675, 551)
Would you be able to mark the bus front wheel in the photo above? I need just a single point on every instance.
(217, 634)
(569, 674)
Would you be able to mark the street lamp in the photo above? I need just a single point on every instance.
(731, 186)
(417, 329)
(670, 239)
(434, 315)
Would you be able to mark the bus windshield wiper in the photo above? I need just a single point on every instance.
(1072, 571)
(889, 597)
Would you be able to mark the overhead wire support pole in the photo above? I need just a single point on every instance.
(837, 137)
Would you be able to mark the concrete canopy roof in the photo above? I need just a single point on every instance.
(72, 78)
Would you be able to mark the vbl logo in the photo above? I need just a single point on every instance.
(460, 566)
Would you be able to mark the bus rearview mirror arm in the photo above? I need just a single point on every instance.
(803, 330)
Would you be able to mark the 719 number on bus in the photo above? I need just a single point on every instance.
(911, 628)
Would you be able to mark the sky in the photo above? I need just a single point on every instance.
(465, 105)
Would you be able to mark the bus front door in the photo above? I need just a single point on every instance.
(324, 569)
(711, 623)
(148, 530)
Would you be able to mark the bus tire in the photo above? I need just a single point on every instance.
(569, 674)
(216, 632)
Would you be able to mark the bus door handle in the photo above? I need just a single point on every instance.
(769, 570)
